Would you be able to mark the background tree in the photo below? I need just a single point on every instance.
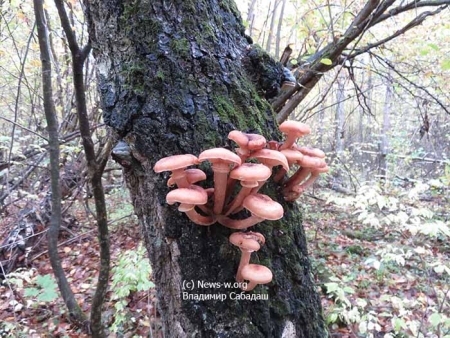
(76, 314)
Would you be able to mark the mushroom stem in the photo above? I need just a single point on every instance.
(239, 224)
(245, 259)
(220, 186)
(252, 192)
(256, 189)
(231, 183)
(237, 202)
(195, 217)
(243, 154)
(290, 140)
(273, 145)
(180, 179)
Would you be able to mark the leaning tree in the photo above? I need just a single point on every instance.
(176, 77)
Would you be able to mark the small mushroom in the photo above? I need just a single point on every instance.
(247, 143)
(256, 274)
(247, 242)
(262, 207)
(250, 174)
(176, 164)
(293, 130)
(221, 160)
(188, 199)
(192, 175)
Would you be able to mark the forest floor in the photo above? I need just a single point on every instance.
(374, 281)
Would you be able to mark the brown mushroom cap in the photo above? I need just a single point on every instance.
(292, 155)
(295, 128)
(313, 152)
(247, 141)
(312, 162)
(256, 273)
(175, 162)
(271, 158)
(251, 172)
(263, 206)
(244, 241)
(194, 195)
(219, 155)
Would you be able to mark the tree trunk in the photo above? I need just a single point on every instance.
(384, 142)
(321, 129)
(251, 17)
(75, 312)
(340, 115)
(272, 26)
(175, 78)
(279, 28)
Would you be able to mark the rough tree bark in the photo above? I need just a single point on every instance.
(175, 77)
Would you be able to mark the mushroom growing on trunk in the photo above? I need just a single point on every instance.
(308, 164)
(221, 160)
(177, 165)
(270, 158)
(247, 143)
(247, 242)
(256, 274)
(293, 130)
(192, 176)
(188, 199)
(297, 190)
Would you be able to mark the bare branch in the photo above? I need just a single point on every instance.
(67, 27)
(391, 66)
(410, 6)
(414, 23)
(23, 127)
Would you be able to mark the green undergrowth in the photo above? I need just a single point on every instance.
(382, 259)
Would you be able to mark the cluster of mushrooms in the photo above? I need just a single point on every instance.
(218, 204)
